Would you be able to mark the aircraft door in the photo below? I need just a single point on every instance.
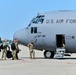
(39, 41)
(60, 40)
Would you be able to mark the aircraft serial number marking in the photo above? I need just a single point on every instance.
(40, 36)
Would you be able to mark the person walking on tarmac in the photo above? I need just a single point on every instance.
(4, 49)
(31, 50)
(15, 49)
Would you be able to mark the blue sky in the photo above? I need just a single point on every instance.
(16, 14)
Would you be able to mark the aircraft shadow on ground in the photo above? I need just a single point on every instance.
(35, 57)
(50, 58)
(65, 58)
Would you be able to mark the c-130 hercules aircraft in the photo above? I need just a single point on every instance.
(50, 31)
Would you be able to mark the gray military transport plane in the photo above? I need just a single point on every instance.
(50, 31)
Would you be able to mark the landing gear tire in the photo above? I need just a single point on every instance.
(48, 54)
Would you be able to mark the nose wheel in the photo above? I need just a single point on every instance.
(48, 54)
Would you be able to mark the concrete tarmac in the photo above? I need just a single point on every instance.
(38, 66)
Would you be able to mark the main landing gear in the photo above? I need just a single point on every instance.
(48, 54)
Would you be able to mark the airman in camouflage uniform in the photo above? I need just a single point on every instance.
(31, 50)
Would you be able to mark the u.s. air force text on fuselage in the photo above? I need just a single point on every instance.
(61, 21)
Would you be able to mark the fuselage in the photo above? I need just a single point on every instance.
(50, 30)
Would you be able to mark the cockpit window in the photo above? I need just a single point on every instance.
(34, 30)
(29, 25)
(38, 20)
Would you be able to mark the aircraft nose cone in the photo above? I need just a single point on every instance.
(21, 35)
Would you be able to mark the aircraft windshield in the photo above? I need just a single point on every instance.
(38, 20)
